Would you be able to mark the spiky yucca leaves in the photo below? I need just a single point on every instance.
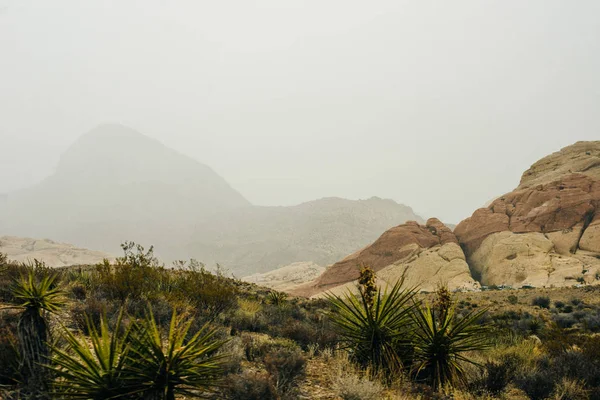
(441, 342)
(163, 368)
(37, 298)
(379, 334)
(276, 298)
(97, 373)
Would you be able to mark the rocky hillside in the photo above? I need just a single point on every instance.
(52, 253)
(547, 231)
(259, 239)
(287, 278)
(115, 184)
(424, 255)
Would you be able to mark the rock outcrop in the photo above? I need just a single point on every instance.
(287, 278)
(52, 253)
(547, 231)
(423, 255)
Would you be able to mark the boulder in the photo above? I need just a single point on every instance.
(545, 232)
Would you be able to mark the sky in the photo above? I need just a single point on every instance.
(438, 105)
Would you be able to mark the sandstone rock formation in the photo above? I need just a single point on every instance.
(287, 278)
(547, 231)
(52, 253)
(423, 255)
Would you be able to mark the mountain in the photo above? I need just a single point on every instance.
(115, 184)
(260, 239)
(52, 253)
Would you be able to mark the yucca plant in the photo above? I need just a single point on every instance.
(441, 343)
(98, 372)
(163, 367)
(38, 298)
(376, 330)
(276, 298)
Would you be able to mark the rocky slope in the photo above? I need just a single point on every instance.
(544, 233)
(423, 255)
(259, 239)
(547, 231)
(287, 278)
(115, 184)
(52, 253)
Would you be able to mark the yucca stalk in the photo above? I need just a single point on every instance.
(37, 298)
(441, 342)
(96, 373)
(163, 368)
(376, 330)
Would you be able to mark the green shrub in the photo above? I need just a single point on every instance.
(285, 366)
(512, 299)
(250, 385)
(541, 301)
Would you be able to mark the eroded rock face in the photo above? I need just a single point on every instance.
(425, 255)
(538, 234)
(581, 157)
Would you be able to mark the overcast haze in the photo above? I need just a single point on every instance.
(437, 105)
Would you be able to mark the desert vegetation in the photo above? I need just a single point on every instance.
(135, 329)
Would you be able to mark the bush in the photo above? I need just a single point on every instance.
(285, 366)
(537, 384)
(9, 355)
(570, 389)
(353, 387)
(512, 299)
(541, 301)
(250, 386)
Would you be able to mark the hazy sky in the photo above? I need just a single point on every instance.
(440, 105)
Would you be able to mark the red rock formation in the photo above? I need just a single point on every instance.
(392, 246)
(556, 206)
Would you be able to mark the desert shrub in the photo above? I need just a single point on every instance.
(538, 384)
(9, 354)
(567, 309)
(541, 301)
(559, 304)
(576, 301)
(250, 386)
(92, 309)
(211, 295)
(78, 291)
(302, 333)
(234, 353)
(570, 389)
(565, 321)
(285, 365)
(136, 275)
(499, 373)
(512, 299)
(351, 386)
